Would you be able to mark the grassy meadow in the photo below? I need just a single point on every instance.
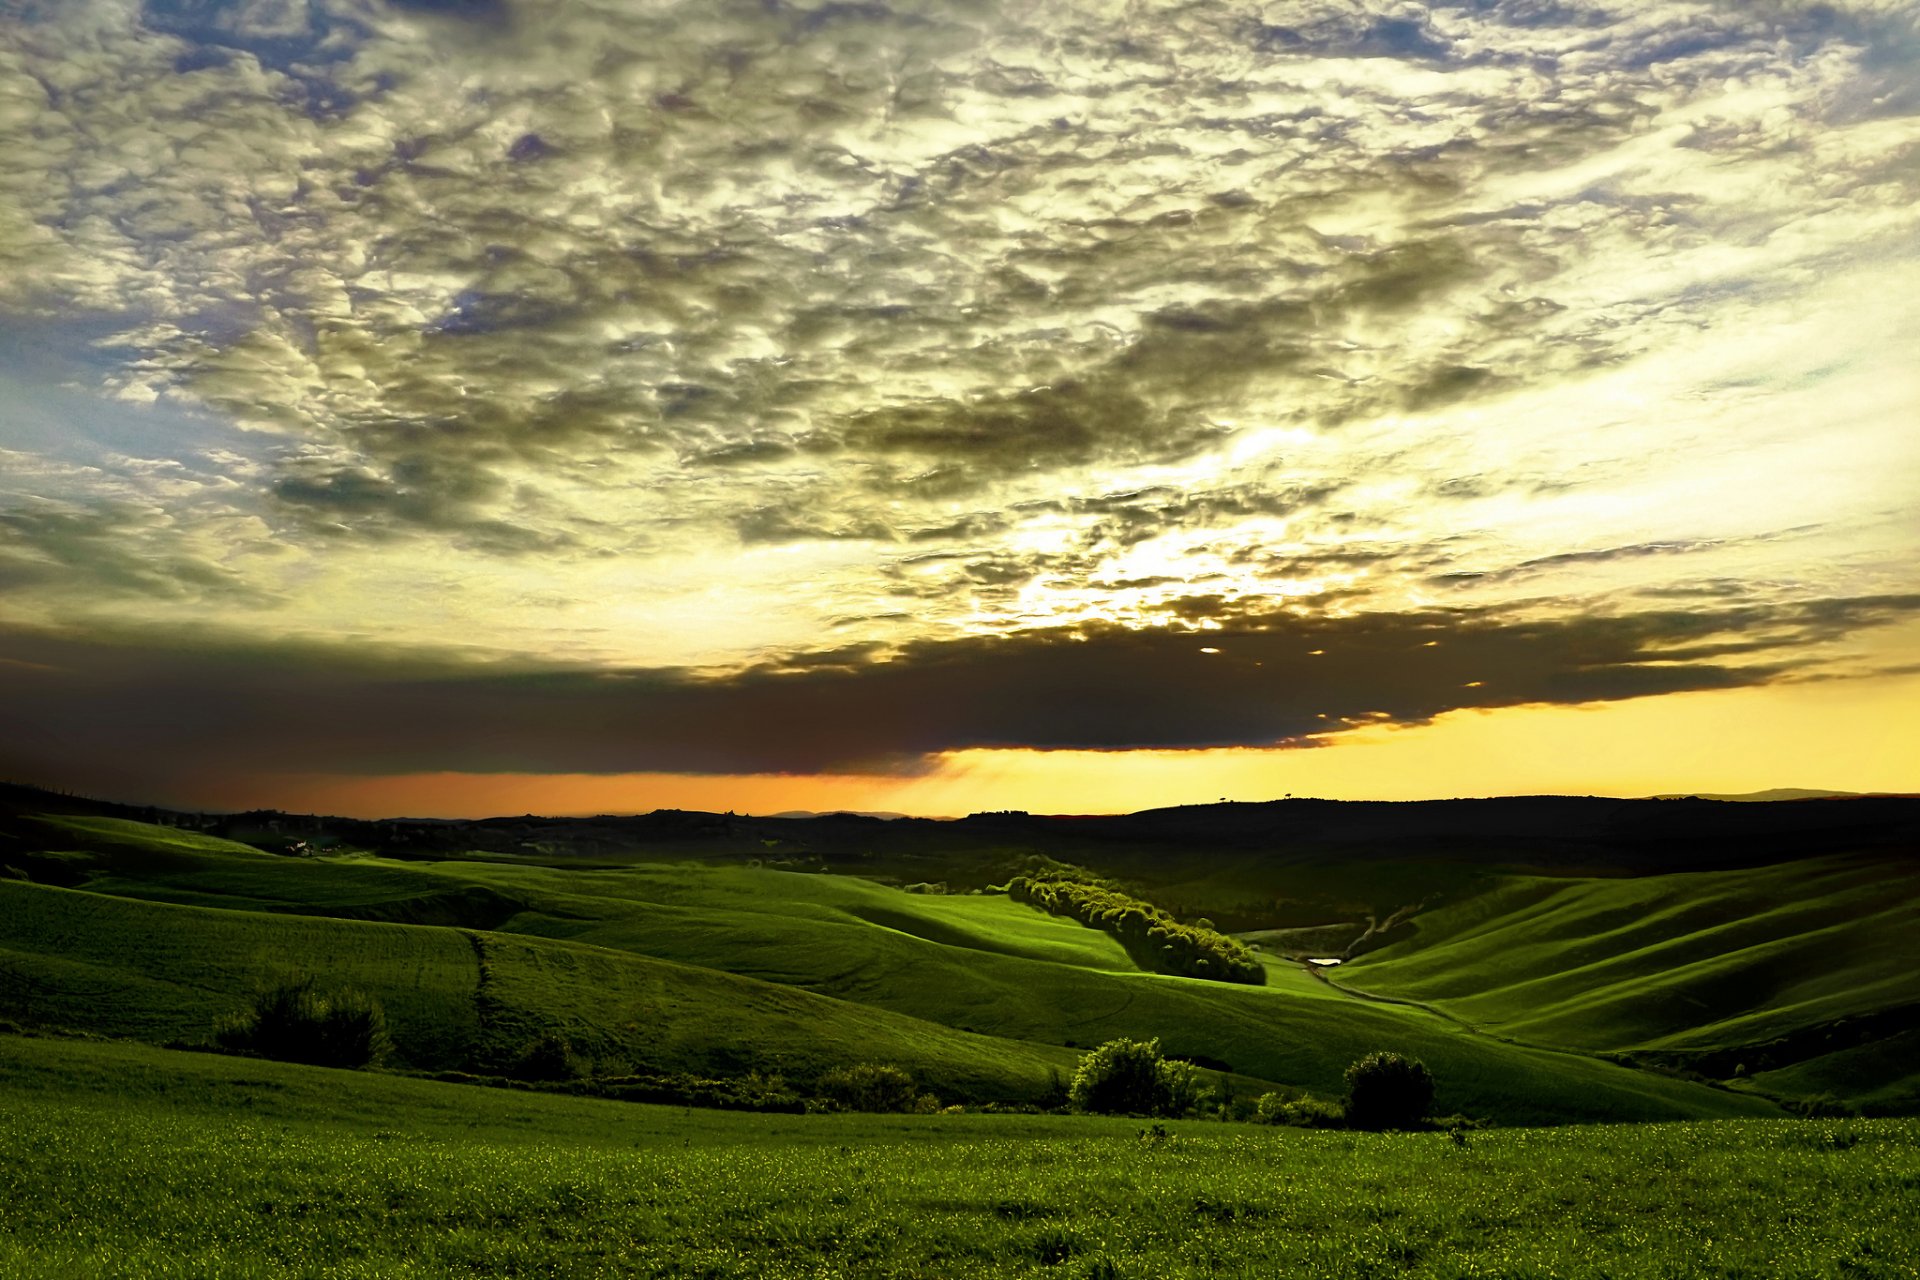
(127, 1161)
(1607, 963)
(723, 969)
(1626, 1049)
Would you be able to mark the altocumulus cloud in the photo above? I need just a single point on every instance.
(1016, 326)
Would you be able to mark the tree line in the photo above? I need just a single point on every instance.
(1154, 939)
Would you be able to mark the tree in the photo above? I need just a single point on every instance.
(548, 1056)
(869, 1086)
(1388, 1091)
(297, 1021)
(1131, 1077)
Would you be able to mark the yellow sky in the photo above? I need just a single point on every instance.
(1857, 735)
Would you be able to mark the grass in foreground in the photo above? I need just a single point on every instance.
(126, 1161)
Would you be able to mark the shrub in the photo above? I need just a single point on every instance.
(1822, 1106)
(1131, 1077)
(1271, 1108)
(298, 1022)
(751, 1092)
(1119, 1077)
(1181, 1083)
(869, 1086)
(1388, 1091)
(548, 1056)
(1304, 1112)
(1313, 1113)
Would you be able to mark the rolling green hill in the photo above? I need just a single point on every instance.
(715, 970)
(1764, 968)
(163, 972)
(1534, 997)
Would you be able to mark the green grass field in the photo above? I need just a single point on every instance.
(1699, 961)
(1517, 989)
(717, 970)
(1563, 1001)
(128, 1161)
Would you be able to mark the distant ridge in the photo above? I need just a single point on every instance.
(1775, 793)
(1565, 832)
(881, 814)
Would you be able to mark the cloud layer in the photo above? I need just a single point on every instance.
(933, 346)
(180, 712)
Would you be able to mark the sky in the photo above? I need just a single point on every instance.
(427, 407)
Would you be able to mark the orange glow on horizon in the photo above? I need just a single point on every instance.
(1855, 735)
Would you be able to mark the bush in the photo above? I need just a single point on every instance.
(298, 1022)
(751, 1092)
(1131, 1077)
(1181, 1083)
(870, 1086)
(1388, 1091)
(1267, 1108)
(549, 1056)
(1301, 1113)
(1822, 1106)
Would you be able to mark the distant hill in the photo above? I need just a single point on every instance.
(1795, 793)
(882, 815)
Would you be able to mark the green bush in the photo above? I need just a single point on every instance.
(1822, 1106)
(1132, 1077)
(751, 1092)
(549, 1056)
(1301, 1113)
(870, 1086)
(1181, 1083)
(1388, 1091)
(298, 1022)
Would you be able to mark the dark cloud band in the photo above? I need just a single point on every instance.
(104, 715)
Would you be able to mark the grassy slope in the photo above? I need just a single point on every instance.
(1882, 1075)
(127, 1161)
(1697, 960)
(121, 839)
(884, 974)
(813, 931)
(160, 971)
(154, 972)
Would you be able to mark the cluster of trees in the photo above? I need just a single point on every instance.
(874, 1086)
(1133, 1077)
(1156, 941)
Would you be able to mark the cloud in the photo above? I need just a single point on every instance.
(1029, 317)
(118, 550)
(103, 713)
(1578, 559)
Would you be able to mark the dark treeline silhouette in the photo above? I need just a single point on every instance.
(1557, 834)
(1155, 940)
